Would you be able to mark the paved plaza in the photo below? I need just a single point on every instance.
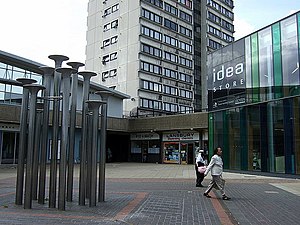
(147, 194)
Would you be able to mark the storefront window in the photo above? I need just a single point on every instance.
(171, 152)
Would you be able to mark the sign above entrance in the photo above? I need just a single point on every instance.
(181, 136)
(144, 136)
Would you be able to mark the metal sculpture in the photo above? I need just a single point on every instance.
(23, 134)
(33, 90)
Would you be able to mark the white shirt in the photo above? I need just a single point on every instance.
(215, 165)
(200, 158)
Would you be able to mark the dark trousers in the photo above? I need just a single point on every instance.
(200, 176)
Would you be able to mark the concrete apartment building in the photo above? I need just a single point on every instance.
(155, 50)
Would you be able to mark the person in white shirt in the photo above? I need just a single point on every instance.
(216, 168)
(199, 162)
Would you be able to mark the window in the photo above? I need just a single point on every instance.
(185, 46)
(108, 26)
(170, 90)
(107, 58)
(186, 62)
(187, 3)
(151, 16)
(213, 44)
(185, 31)
(113, 56)
(171, 25)
(185, 109)
(108, 74)
(151, 33)
(148, 67)
(213, 17)
(171, 9)
(151, 50)
(158, 3)
(186, 94)
(114, 40)
(170, 73)
(151, 104)
(170, 107)
(115, 8)
(171, 57)
(171, 41)
(185, 77)
(186, 17)
(148, 85)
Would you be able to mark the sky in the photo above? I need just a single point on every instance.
(34, 29)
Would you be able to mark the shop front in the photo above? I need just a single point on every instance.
(145, 147)
(254, 100)
(178, 146)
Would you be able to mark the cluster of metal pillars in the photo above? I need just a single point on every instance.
(60, 87)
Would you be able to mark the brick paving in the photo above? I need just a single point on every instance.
(146, 194)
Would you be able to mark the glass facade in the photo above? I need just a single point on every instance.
(253, 87)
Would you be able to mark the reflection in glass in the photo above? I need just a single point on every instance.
(290, 60)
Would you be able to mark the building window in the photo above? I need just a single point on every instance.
(170, 57)
(213, 17)
(185, 31)
(185, 77)
(148, 67)
(186, 17)
(170, 73)
(185, 109)
(151, 33)
(185, 46)
(186, 62)
(110, 57)
(113, 56)
(152, 86)
(171, 9)
(151, 50)
(171, 25)
(151, 16)
(108, 26)
(187, 3)
(170, 90)
(109, 41)
(170, 40)
(213, 44)
(158, 3)
(170, 107)
(150, 104)
(108, 74)
(186, 94)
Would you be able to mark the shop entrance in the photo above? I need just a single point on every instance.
(178, 152)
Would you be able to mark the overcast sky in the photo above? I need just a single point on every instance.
(34, 29)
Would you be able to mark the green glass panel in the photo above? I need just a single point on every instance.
(226, 148)
(244, 139)
(255, 71)
(210, 134)
(277, 60)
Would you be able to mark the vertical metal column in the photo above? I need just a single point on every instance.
(22, 146)
(47, 78)
(36, 149)
(66, 74)
(101, 193)
(74, 89)
(33, 89)
(94, 107)
(55, 124)
(86, 86)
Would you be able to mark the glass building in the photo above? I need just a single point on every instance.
(254, 99)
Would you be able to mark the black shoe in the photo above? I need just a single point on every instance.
(225, 197)
(206, 195)
(199, 185)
